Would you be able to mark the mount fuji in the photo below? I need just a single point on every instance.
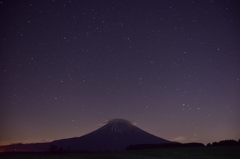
(116, 135)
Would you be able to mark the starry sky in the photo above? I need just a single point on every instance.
(171, 67)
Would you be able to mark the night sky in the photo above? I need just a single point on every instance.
(170, 67)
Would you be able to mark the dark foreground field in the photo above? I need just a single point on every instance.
(166, 153)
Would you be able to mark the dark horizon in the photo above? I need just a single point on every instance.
(115, 136)
(171, 67)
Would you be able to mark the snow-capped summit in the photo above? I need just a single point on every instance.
(118, 125)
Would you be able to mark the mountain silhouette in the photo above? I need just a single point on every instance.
(117, 134)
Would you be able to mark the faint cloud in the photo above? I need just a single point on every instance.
(179, 139)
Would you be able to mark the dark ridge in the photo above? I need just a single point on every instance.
(168, 145)
(225, 143)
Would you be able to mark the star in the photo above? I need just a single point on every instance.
(29, 21)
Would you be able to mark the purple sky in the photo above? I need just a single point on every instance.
(172, 67)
